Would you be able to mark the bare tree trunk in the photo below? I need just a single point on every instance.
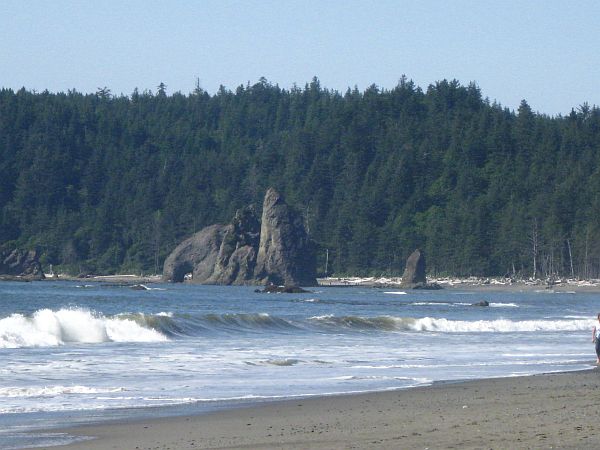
(157, 233)
(585, 261)
(571, 259)
(534, 246)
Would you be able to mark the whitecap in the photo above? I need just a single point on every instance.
(48, 328)
(53, 391)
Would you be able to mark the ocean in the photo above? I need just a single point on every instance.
(80, 352)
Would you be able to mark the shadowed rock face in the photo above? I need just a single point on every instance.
(197, 255)
(237, 253)
(285, 256)
(414, 273)
(21, 263)
(247, 252)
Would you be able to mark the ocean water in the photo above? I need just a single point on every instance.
(73, 353)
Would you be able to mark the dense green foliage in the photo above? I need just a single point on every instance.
(102, 183)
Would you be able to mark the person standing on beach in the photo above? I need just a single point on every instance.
(596, 339)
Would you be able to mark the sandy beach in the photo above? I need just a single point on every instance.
(543, 411)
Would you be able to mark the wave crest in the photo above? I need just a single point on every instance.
(47, 328)
(357, 322)
(430, 324)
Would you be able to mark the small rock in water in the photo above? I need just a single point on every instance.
(139, 287)
(270, 288)
(481, 303)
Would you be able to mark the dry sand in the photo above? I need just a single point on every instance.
(544, 411)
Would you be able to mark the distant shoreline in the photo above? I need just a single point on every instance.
(488, 284)
(470, 284)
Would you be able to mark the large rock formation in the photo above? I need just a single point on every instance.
(414, 271)
(414, 276)
(277, 251)
(237, 253)
(196, 255)
(285, 256)
(21, 263)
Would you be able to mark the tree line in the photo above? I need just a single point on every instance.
(102, 183)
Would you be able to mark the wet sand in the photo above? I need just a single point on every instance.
(543, 411)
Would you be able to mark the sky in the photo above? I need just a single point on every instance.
(544, 51)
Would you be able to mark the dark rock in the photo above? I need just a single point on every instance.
(481, 303)
(218, 254)
(277, 251)
(21, 263)
(196, 255)
(14, 278)
(237, 253)
(414, 273)
(427, 286)
(285, 254)
(272, 288)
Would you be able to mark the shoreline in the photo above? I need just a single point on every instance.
(555, 409)
(469, 284)
(472, 284)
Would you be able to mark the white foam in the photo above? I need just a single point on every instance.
(147, 288)
(53, 391)
(503, 305)
(323, 317)
(498, 326)
(47, 328)
(396, 293)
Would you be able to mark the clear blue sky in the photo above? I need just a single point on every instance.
(545, 51)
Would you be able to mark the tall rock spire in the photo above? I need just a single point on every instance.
(285, 254)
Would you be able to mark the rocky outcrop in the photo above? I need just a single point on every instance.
(285, 256)
(481, 303)
(274, 289)
(414, 276)
(196, 255)
(237, 254)
(246, 251)
(21, 263)
(414, 272)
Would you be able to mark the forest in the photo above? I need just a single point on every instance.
(104, 183)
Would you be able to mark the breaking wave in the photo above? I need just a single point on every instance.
(430, 324)
(47, 328)
(497, 326)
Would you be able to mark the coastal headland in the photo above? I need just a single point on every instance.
(543, 411)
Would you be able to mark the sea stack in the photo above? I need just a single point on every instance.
(196, 255)
(414, 274)
(276, 250)
(217, 254)
(285, 256)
